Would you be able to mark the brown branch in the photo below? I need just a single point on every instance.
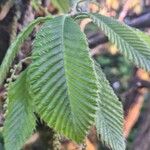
(134, 98)
(142, 138)
(133, 111)
(142, 21)
(4, 9)
(125, 10)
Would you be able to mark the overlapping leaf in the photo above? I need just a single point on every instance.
(15, 47)
(109, 118)
(62, 78)
(134, 46)
(20, 120)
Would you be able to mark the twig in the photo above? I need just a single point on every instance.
(4, 9)
(125, 10)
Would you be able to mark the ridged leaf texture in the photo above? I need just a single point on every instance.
(62, 78)
(144, 37)
(131, 44)
(20, 120)
(109, 118)
(15, 47)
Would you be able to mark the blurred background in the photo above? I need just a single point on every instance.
(132, 85)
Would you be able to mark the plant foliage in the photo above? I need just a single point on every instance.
(133, 44)
(15, 47)
(109, 118)
(67, 88)
(58, 75)
(20, 120)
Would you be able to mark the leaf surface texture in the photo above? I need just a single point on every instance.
(133, 44)
(20, 120)
(109, 118)
(62, 78)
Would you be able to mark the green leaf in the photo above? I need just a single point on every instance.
(144, 37)
(62, 78)
(131, 44)
(20, 120)
(62, 5)
(109, 118)
(15, 47)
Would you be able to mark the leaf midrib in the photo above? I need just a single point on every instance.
(65, 70)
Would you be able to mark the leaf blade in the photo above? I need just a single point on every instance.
(20, 120)
(128, 41)
(15, 47)
(63, 70)
(109, 118)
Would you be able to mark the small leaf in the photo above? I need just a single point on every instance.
(20, 120)
(134, 46)
(109, 118)
(62, 78)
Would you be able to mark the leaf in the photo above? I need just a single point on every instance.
(62, 78)
(15, 47)
(129, 42)
(62, 5)
(20, 120)
(109, 118)
(143, 36)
